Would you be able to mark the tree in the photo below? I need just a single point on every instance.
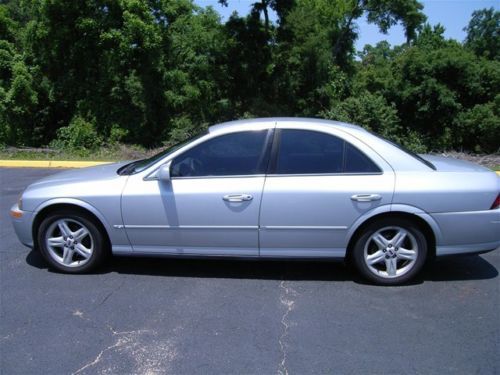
(21, 102)
(196, 73)
(479, 127)
(317, 36)
(249, 66)
(483, 33)
(156, 71)
(134, 64)
(438, 88)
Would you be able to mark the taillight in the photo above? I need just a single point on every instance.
(496, 203)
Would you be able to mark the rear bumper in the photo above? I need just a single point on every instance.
(480, 248)
(22, 222)
(468, 232)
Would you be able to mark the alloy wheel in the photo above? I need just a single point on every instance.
(391, 252)
(69, 242)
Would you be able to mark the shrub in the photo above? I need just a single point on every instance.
(79, 136)
(368, 110)
(480, 127)
(183, 128)
(116, 135)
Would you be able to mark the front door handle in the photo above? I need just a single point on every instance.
(237, 197)
(366, 197)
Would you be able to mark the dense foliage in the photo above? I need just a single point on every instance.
(83, 74)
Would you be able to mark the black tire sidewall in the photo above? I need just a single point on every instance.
(98, 253)
(358, 251)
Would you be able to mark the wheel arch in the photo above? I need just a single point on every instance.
(51, 206)
(423, 220)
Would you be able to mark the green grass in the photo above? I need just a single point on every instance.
(28, 155)
(118, 152)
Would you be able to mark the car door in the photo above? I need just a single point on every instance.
(211, 204)
(318, 184)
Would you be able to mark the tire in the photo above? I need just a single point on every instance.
(71, 242)
(390, 251)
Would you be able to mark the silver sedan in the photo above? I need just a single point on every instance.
(268, 188)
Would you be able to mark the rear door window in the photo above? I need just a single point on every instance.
(311, 152)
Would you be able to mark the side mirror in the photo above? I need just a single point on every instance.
(164, 172)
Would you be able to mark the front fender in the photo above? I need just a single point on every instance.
(115, 236)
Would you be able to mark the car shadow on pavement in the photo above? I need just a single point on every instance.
(472, 267)
(465, 267)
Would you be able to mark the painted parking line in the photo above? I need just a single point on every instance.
(50, 163)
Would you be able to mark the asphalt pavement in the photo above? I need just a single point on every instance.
(148, 316)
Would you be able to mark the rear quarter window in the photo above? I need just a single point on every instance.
(357, 162)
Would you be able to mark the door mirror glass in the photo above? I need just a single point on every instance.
(164, 172)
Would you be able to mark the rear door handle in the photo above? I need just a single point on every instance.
(366, 197)
(237, 197)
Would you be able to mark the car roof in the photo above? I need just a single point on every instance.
(260, 121)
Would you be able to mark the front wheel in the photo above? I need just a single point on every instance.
(71, 242)
(390, 251)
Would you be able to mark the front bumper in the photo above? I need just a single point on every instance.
(22, 222)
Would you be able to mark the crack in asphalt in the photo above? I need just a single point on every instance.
(286, 300)
(110, 294)
(150, 354)
(98, 358)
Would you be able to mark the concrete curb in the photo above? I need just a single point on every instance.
(49, 163)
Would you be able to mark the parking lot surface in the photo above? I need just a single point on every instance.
(147, 316)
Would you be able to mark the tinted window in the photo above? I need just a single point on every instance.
(309, 152)
(303, 151)
(357, 162)
(232, 154)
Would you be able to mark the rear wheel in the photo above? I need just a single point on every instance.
(390, 251)
(71, 242)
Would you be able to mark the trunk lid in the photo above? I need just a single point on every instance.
(449, 164)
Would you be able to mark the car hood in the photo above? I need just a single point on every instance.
(449, 164)
(99, 172)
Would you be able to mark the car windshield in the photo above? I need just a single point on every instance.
(407, 151)
(140, 165)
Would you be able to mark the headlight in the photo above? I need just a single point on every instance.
(20, 203)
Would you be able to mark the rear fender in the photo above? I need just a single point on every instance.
(395, 208)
